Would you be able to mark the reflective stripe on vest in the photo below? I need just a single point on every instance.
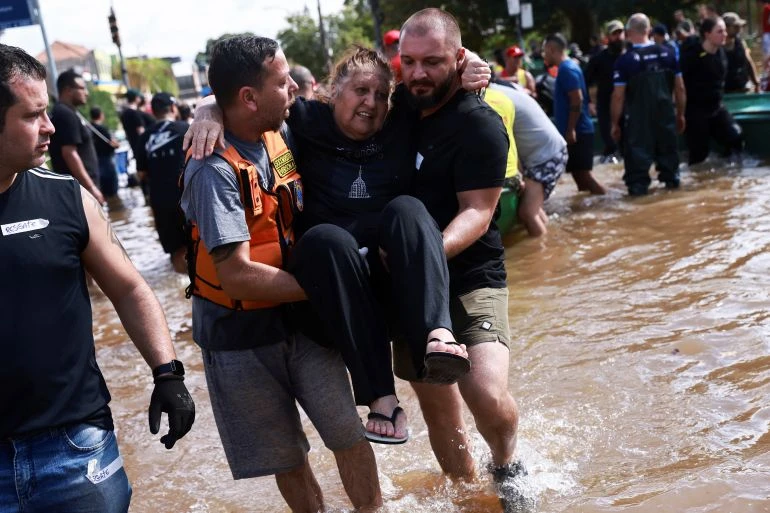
(269, 217)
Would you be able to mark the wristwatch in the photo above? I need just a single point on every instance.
(175, 367)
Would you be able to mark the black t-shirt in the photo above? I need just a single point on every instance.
(463, 147)
(72, 130)
(49, 376)
(704, 77)
(599, 71)
(132, 120)
(737, 67)
(347, 182)
(103, 148)
(160, 153)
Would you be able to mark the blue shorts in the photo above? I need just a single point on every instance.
(74, 468)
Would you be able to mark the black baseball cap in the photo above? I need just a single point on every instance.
(162, 101)
(660, 29)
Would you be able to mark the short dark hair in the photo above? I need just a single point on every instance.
(707, 25)
(433, 19)
(95, 112)
(185, 112)
(238, 62)
(132, 95)
(67, 79)
(557, 39)
(15, 63)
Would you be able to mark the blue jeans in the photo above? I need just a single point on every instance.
(74, 469)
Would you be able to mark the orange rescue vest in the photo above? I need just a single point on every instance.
(269, 217)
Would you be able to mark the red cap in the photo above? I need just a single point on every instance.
(390, 37)
(514, 51)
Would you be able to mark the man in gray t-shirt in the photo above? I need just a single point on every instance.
(542, 154)
(221, 221)
(258, 367)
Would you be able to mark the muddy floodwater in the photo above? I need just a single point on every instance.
(640, 361)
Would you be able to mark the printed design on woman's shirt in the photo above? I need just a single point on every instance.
(358, 188)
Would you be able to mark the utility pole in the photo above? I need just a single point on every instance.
(116, 39)
(38, 16)
(374, 5)
(324, 43)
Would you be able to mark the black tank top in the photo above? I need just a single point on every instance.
(48, 375)
(737, 67)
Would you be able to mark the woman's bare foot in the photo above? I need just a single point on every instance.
(438, 342)
(385, 406)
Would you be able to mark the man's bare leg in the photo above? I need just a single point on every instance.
(585, 181)
(530, 207)
(485, 391)
(358, 471)
(442, 409)
(300, 489)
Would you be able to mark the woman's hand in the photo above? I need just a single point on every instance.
(475, 72)
(206, 131)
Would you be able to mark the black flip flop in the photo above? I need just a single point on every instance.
(382, 439)
(443, 368)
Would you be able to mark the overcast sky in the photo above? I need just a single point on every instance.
(158, 28)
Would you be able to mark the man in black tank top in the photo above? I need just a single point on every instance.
(704, 67)
(740, 66)
(58, 451)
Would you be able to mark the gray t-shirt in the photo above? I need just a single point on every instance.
(537, 139)
(212, 200)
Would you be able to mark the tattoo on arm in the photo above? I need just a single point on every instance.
(113, 236)
(223, 252)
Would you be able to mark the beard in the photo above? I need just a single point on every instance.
(439, 93)
(615, 47)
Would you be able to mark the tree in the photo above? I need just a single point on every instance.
(485, 23)
(153, 75)
(302, 43)
(104, 101)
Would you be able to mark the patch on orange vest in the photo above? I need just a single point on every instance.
(284, 164)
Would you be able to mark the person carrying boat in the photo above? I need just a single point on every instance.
(704, 67)
(646, 77)
(542, 153)
(58, 450)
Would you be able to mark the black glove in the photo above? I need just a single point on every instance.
(171, 396)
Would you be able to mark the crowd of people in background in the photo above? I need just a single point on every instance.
(689, 72)
(316, 229)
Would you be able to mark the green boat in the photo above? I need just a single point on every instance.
(752, 113)
(509, 203)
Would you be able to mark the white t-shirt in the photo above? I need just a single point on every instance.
(537, 138)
